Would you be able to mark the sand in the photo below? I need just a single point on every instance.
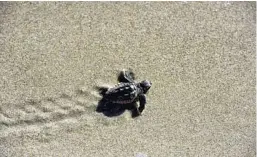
(200, 58)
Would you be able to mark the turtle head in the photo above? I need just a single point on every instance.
(145, 85)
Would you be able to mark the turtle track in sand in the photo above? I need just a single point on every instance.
(54, 111)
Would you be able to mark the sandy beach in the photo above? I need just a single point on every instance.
(200, 57)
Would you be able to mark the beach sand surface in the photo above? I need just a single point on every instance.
(200, 57)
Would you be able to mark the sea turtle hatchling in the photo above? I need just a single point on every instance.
(127, 92)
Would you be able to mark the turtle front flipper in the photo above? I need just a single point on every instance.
(126, 76)
(135, 111)
(142, 102)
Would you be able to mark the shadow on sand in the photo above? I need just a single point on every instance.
(109, 109)
(112, 110)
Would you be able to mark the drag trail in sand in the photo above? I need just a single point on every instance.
(42, 112)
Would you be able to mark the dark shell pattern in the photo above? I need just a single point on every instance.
(123, 93)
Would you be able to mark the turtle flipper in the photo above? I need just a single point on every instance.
(135, 111)
(142, 102)
(102, 90)
(126, 76)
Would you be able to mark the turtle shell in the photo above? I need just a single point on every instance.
(122, 93)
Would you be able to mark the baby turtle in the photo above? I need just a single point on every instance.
(127, 92)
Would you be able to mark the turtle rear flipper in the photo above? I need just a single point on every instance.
(102, 90)
(126, 76)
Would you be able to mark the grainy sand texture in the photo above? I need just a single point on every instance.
(200, 57)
